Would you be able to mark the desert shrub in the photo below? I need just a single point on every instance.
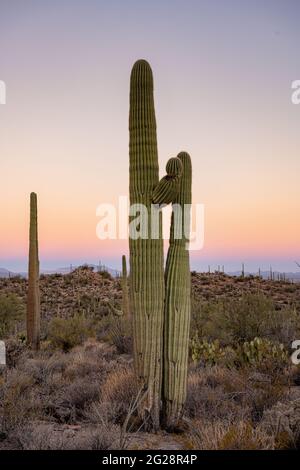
(283, 422)
(102, 437)
(229, 435)
(120, 334)
(92, 305)
(17, 278)
(54, 276)
(263, 395)
(15, 348)
(63, 388)
(65, 333)
(216, 393)
(119, 391)
(233, 321)
(104, 325)
(245, 318)
(283, 325)
(12, 311)
(45, 436)
(105, 274)
(16, 400)
(69, 402)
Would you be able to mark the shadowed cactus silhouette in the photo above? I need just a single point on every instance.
(33, 297)
(148, 286)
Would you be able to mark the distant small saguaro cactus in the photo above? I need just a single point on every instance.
(33, 297)
(124, 281)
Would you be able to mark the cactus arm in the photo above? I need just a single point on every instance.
(168, 187)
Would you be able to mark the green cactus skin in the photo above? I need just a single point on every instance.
(124, 281)
(33, 297)
(177, 308)
(146, 255)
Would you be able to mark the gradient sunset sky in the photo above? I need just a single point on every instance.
(223, 71)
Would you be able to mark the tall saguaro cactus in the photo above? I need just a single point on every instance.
(146, 254)
(124, 282)
(33, 297)
(160, 304)
(177, 301)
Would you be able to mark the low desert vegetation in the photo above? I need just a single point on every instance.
(12, 311)
(79, 390)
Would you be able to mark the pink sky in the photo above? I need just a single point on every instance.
(223, 79)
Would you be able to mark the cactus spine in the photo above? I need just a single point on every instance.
(177, 302)
(146, 254)
(124, 281)
(33, 297)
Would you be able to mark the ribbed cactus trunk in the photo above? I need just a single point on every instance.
(177, 302)
(33, 297)
(124, 282)
(146, 254)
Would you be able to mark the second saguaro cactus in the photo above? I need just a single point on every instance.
(177, 301)
(33, 297)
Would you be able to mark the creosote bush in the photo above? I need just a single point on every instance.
(65, 333)
(235, 321)
(12, 311)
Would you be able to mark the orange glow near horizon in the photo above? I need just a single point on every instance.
(64, 128)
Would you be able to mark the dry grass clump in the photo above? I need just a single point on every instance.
(239, 409)
(283, 423)
(119, 391)
(216, 394)
(47, 436)
(54, 386)
(229, 435)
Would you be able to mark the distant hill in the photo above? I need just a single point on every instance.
(266, 275)
(5, 273)
(113, 272)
